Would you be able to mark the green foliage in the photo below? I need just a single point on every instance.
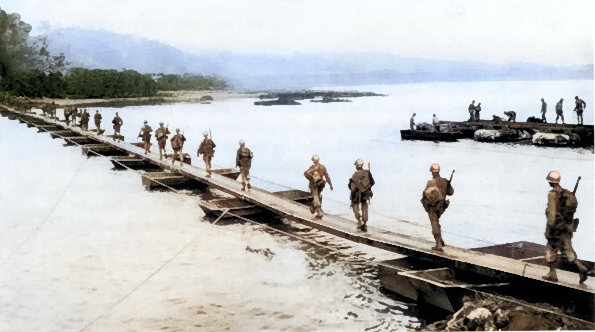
(98, 83)
(189, 82)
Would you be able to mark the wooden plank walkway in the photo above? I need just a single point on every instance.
(406, 244)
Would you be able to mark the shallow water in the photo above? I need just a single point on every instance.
(87, 248)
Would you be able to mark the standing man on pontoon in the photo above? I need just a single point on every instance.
(244, 162)
(472, 111)
(85, 120)
(117, 121)
(435, 202)
(207, 148)
(580, 106)
(145, 134)
(161, 135)
(177, 144)
(412, 122)
(360, 186)
(318, 177)
(543, 110)
(559, 111)
(436, 122)
(477, 110)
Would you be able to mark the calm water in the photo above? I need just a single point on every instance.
(86, 247)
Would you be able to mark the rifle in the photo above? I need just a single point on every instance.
(211, 138)
(575, 221)
(576, 185)
(449, 181)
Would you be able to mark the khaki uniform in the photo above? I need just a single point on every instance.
(97, 119)
(177, 144)
(543, 111)
(559, 111)
(85, 121)
(161, 135)
(579, 108)
(360, 185)
(318, 177)
(207, 148)
(244, 162)
(117, 121)
(436, 209)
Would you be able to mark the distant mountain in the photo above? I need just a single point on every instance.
(106, 50)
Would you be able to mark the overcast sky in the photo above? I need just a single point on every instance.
(540, 31)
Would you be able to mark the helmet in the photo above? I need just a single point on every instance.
(553, 177)
(435, 168)
(177, 130)
(204, 133)
(161, 123)
(242, 142)
(359, 163)
(145, 121)
(315, 157)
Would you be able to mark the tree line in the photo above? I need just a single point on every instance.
(27, 69)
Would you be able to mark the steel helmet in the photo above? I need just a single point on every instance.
(315, 157)
(553, 177)
(242, 142)
(435, 168)
(204, 133)
(359, 163)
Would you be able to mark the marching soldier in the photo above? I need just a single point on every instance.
(177, 144)
(67, 111)
(161, 135)
(97, 119)
(74, 113)
(543, 110)
(207, 148)
(244, 162)
(559, 111)
(561, 206)
(318, 177)
(85, 120)
(360, 185)
(145, 134)
(435, 202)
(117, 121)
(580, 106)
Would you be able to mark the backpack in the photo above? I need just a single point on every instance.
(568, 205)
(245, 153)
(361, 181)
(433, 195)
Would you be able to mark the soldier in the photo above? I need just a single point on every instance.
(97, 119)
(244, 162)
(117, 121)
(472, 111)
(543, 110)
(74, 113)
(511, 116)
(412, 122)
(435, 202)
(477, 110)
(161, 135)
(360, 185)
(436, 122)
(206, 147)
(177, 144)
(318, 177)
(580, 106)
(559, 112)
(561, 205)
(85, 120)
(67, 111)
(145, 134)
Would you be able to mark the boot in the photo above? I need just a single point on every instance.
(364, 228)
(583, 271)
(551, 276)
(439, 243)
(319, 213)
(248, 185)
(360, 223)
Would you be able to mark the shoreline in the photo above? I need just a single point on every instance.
(162, 97)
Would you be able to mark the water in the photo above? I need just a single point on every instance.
(86, 248)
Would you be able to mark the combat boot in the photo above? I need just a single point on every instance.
(364, 227)
(551, 276)
(319, 213)
(360, 223)
(583, 271)
(439, 243)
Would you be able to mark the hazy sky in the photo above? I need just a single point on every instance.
(535, 31)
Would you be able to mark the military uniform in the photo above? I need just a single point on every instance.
(477, 110)
(559, 111)
(435, 203)
(67, 116)
(360, 184)
(472, 111)
(412, 122)
(145, 134)
(559, 230)
(580, 106)
(117, 121)
(85, 120)
(511, 116)
(244, 162)
(543, 110)
(177, 144)
(207, 148)
(97, 119)
(318, 177)
(161, 135)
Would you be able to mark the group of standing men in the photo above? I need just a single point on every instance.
(579, 107)
(474, 111)
(177, 141)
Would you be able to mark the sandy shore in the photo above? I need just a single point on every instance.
(166, 96)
